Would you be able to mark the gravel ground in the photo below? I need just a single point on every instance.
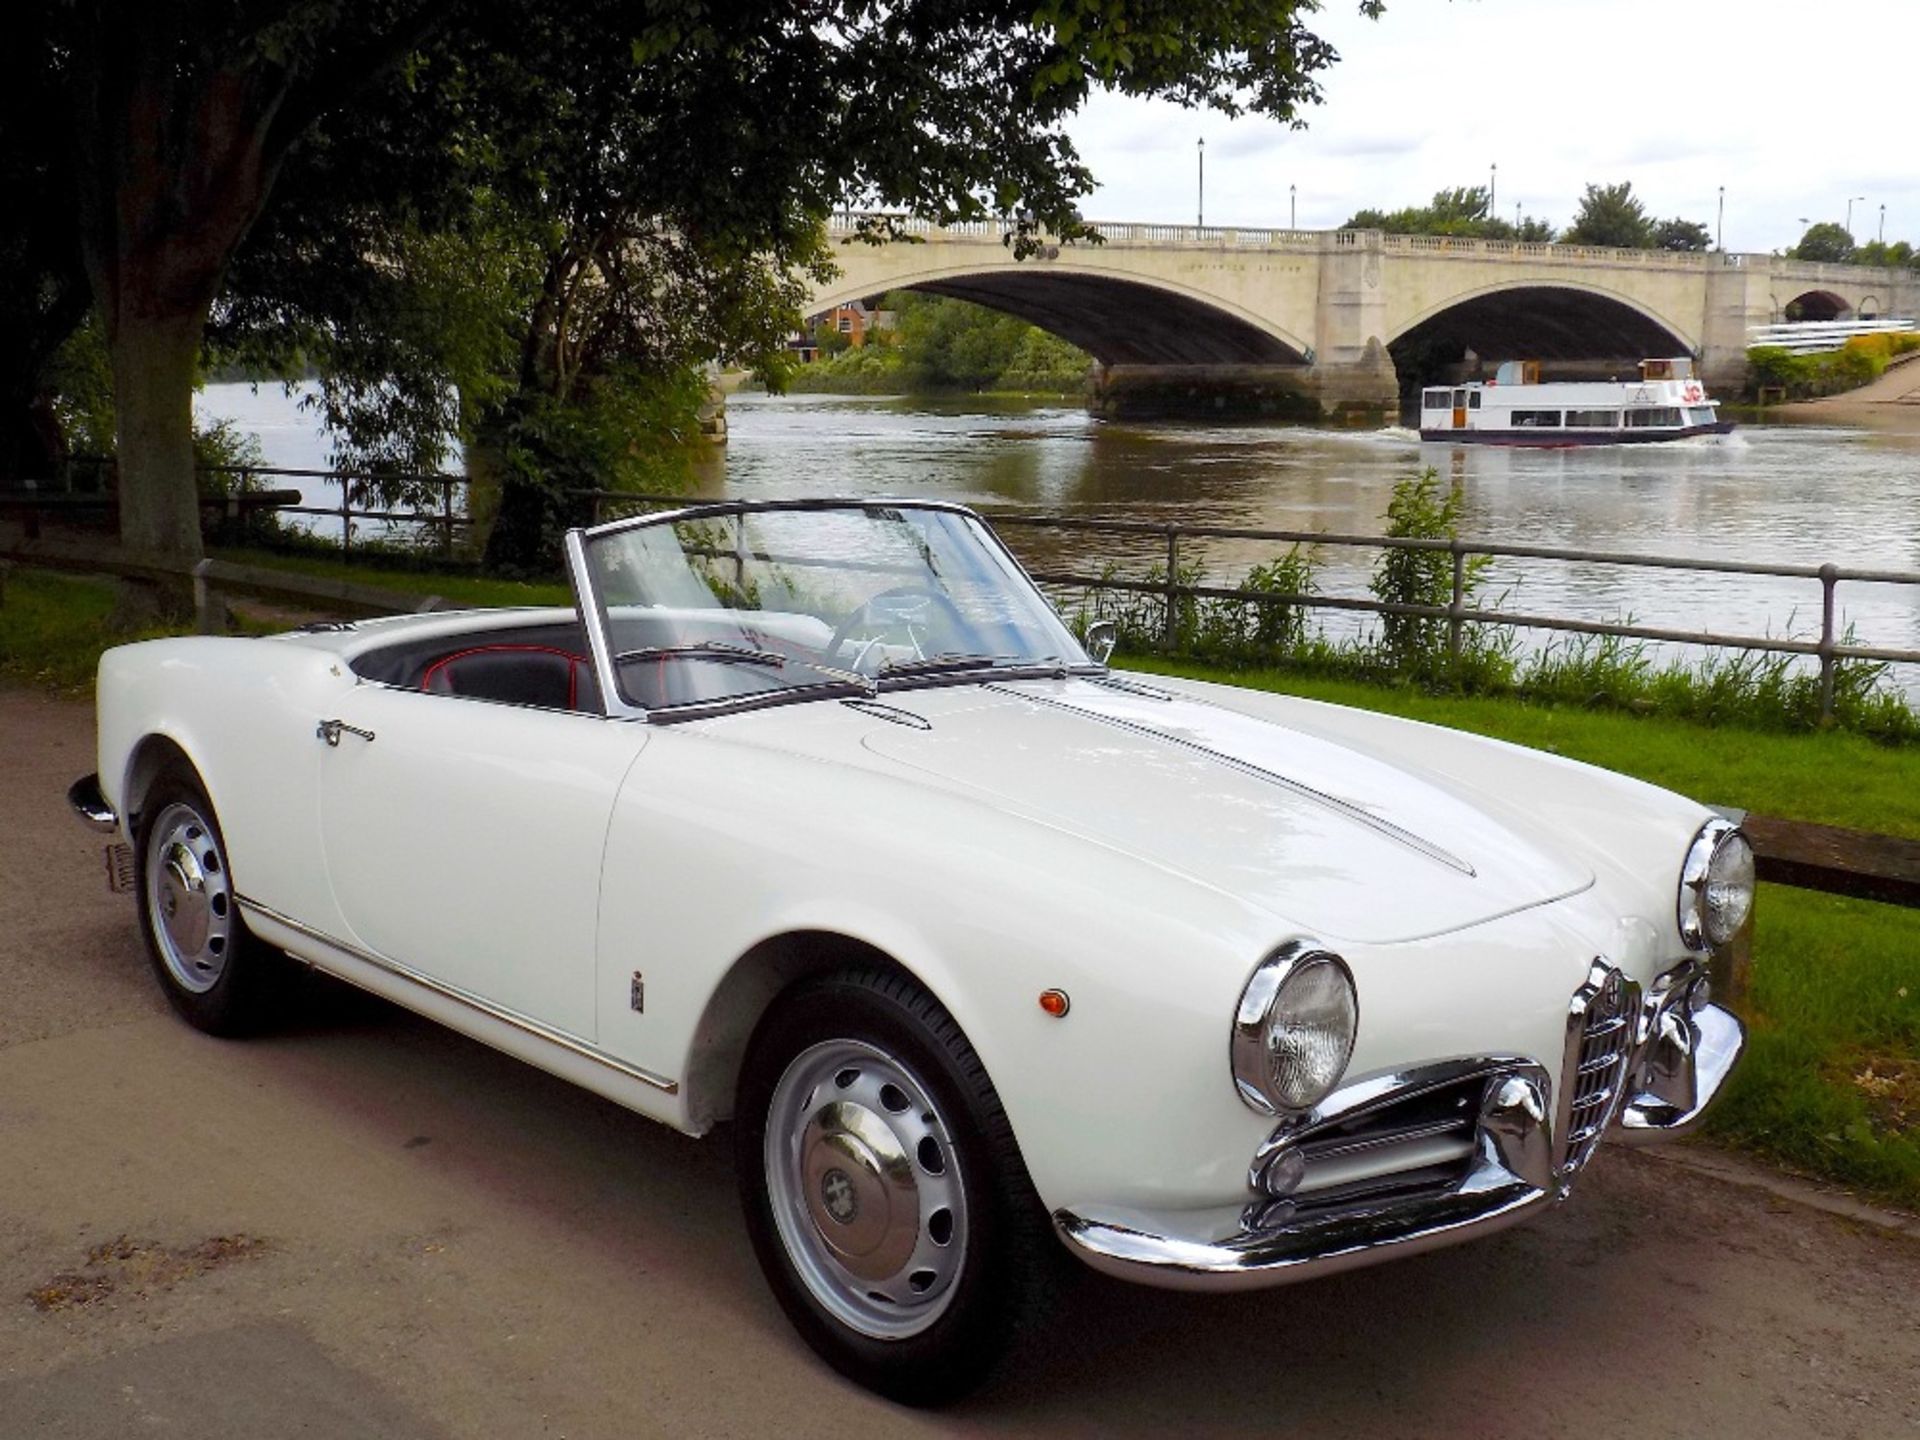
(368, 1226)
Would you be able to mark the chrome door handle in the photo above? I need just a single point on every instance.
(331, 730)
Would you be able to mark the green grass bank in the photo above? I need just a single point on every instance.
(1831, 1081)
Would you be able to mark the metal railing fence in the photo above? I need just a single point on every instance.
(1172, 541)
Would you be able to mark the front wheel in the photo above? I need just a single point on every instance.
(883, 1189)
(217, 976)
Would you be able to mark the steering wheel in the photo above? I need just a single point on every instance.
(898, 592)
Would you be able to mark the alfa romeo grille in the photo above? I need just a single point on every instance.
(1605, 1040)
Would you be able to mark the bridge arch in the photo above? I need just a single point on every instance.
(1817, 304)
(1560, 321)
(1117, 320)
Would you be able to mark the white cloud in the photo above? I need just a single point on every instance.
(1792, 109)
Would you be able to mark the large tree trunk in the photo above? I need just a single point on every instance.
(180, 127)
(154, 359)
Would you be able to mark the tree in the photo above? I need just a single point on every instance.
(43, 286)
(1677, 234)
(186, 116)
(1877, 252)
(1459, 211)
(1611, 215)
(1825, 241)
(181, 117)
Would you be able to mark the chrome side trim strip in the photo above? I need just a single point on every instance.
(453, 992)
(1346, 808)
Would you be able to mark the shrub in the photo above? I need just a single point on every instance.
(1418, 645)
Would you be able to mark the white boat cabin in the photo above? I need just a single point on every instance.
(1666, 402)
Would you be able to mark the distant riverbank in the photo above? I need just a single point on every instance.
(1891, 403)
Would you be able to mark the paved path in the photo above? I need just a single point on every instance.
(369, 1227)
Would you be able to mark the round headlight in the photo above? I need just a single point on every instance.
(1293, 1032)
(1716, 886)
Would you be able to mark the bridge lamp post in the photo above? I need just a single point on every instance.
(1293, 212)
(1883, 225)
(1849, 226)
(1493, 176)
(1200, 200)
(1720, 222)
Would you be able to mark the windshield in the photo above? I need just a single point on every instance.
(754, 604)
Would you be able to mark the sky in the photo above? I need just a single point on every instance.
(1792, 107)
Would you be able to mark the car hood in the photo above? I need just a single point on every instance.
(1343, 844)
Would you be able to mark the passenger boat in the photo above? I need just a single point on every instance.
(1667, 402)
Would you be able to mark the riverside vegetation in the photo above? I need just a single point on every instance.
(940, 346)
(1861, 361)
(1831, 1084)
(1760, 691)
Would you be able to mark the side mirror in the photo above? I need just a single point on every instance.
(1101, 637)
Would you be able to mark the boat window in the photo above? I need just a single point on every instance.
(1473, 399)
(1433, 400)
(1536, 419)
(1459, 399)
(1594, 419)
(1654, 416)
(1700, 415)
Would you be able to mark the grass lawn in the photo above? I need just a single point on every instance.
(1831, 1082)
(472, 590)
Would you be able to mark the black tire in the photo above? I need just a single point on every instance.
(231, 983)
(998, 1283)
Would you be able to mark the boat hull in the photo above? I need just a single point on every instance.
(1566, 439)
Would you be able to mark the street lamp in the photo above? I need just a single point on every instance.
(1200, 199)
(1849, 225)
(1493, 177)
(1720, 222)
(1883, 224)
(1293, 214)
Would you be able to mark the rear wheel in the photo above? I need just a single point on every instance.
(214, 972)
(885, 1196)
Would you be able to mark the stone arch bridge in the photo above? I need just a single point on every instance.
(1206, 320)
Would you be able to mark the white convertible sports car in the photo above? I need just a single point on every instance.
(814, 816)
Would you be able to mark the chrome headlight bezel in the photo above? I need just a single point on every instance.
(1717, 839)
(1262, 1007)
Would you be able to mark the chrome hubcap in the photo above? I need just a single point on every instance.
(866, 1188)
(189, 899)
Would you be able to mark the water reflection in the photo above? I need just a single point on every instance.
(1800, 494)
(1795, 494)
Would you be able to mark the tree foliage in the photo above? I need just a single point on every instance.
(627, 187)
(1611, 215)
(1681, 235)
(1825, 241)
(1459, 211)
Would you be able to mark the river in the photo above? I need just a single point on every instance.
(1793, 493)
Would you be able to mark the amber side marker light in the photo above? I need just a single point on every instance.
(1055, 1003)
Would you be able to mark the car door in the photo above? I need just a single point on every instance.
(464, 841)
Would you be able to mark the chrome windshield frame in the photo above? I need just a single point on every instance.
(598, 624)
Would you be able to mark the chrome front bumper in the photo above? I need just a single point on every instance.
(85, 796)
(1516, 1166)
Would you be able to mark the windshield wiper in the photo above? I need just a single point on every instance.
(718, 650)
(941, 665)
(959, 669)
